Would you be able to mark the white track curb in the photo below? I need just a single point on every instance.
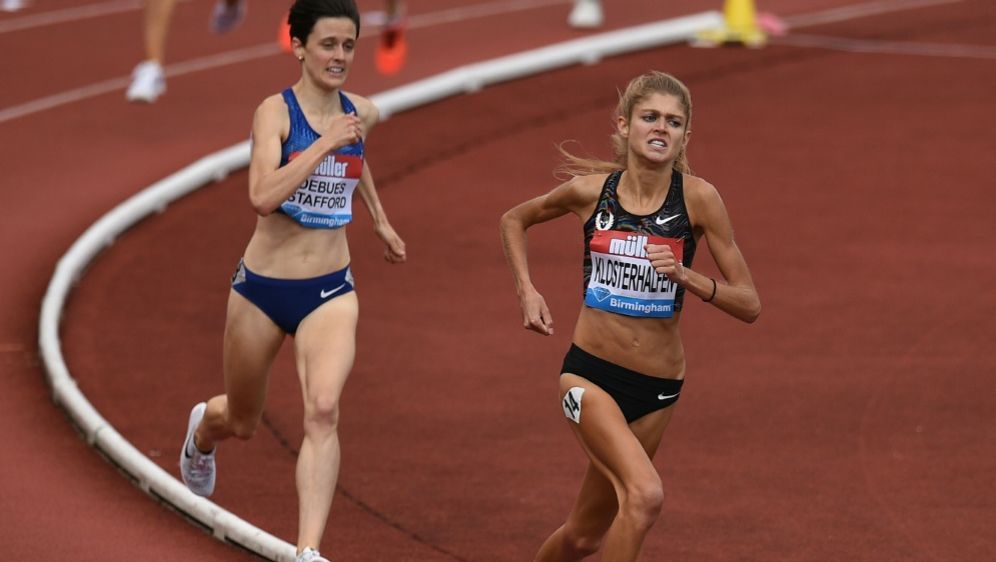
(155, 198)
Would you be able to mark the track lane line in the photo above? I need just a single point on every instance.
(875, 8)
(888, 47)
(247, 54)
(442, 17)
(69, 15)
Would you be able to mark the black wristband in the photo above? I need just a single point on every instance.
(713, 295)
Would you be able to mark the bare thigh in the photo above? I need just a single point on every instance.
(325, 347)
(611, 444)
(251, 343)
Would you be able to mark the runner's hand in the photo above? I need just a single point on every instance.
(345, 130)
(395, 246)
(535, 314)
(664, 261)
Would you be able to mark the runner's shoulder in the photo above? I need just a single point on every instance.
(698, 190)
(585, 188)
(272, 104)
(366, 109)
(272, 113)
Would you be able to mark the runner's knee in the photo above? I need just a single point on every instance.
(322, 411)
(643, 501)
(578, 545)
(243, 429)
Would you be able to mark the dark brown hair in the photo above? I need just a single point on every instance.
(304, 13)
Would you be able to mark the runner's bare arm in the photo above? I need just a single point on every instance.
(737, 296)
(394, 251)
(269, 184)
(578, 196)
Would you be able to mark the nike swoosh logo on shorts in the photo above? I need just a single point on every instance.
(662, 396)
(659, 220)
(327, 294)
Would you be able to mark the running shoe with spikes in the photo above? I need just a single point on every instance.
(196, 468)
(227, 15)
(586, 14)
(392, 47)
(283, 35)
(148, 82)
(13, 5)
(310, 555)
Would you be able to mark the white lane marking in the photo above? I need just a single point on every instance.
(856, 11)
(887, 47)
(257, 52)
(100, 88)
(416, 22)
(79, 13)
(478, 11)
(74, 14)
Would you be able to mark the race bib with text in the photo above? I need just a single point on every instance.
(325, 198)
(623, 281)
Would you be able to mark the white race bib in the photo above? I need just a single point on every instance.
(325, 198)
(623, 281)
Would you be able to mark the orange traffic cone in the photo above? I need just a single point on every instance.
(740, 26)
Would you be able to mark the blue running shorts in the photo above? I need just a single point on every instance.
(289, 301)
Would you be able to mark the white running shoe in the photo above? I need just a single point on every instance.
(227, 15)
(310, 555)
(148, 82)
(587, 14)
(196, 468)
(13, 5)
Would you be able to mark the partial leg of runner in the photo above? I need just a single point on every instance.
(227, 15)
(325, 346)
(251, 343)
(392, 47)
(148, 80)
(620, 474)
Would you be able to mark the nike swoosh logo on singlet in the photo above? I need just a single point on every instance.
(659, 220)
(327, 294)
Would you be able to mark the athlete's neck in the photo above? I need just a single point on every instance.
(646, 185)
(317, 101)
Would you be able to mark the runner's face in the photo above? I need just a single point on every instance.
(329, 52)
(657, 129)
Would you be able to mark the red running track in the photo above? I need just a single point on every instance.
(853, 422)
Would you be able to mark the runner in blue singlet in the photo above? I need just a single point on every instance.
(294, 278)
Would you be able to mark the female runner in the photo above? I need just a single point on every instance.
(307, 161)
(643, 217)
